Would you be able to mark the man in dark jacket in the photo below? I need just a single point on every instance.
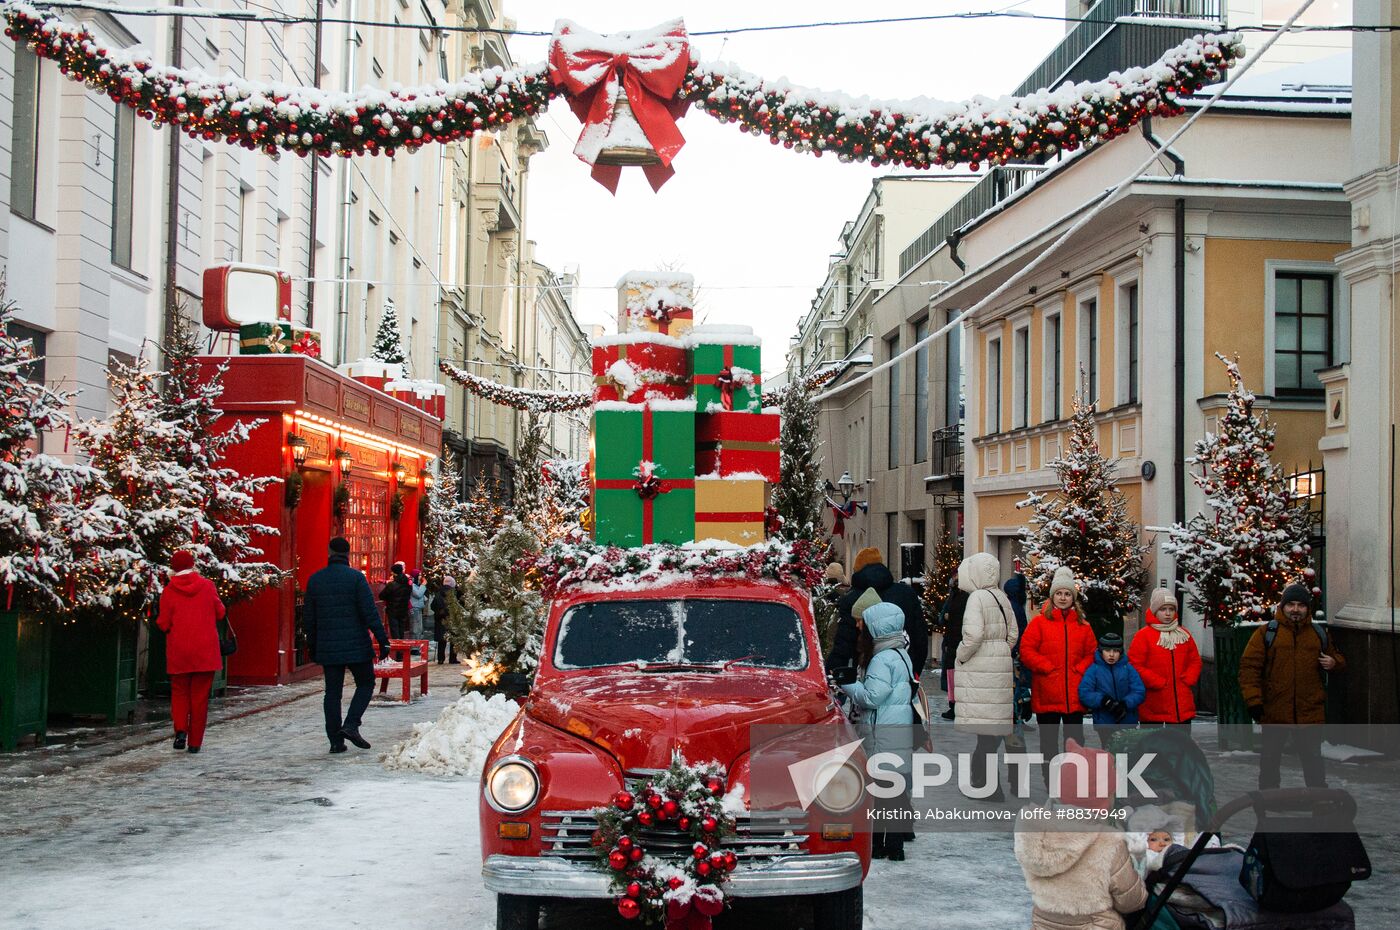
(871, 572)
(396, 594)
(951, 619)
(342, 626)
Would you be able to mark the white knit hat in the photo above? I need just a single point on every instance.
(1063, 581)
(1160, 598)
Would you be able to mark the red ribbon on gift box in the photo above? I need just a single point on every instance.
(648, 485)
(725, 380)
(664, 315)
(650, 72)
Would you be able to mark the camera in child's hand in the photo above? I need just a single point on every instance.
(844, 676)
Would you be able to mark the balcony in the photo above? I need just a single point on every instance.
(945, 485)
(1119, 34)
(999, 183)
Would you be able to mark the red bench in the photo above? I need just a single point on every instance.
(403, 664)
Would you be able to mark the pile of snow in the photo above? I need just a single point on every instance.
(457, 743)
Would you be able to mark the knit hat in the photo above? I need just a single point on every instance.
(834, 572)
(1111, 640)
(1088, 784)
(340, 545)
(869, 598)
(1063, 581)
(1296, 592)
(1160, 598)
(868, 556)
(397, 568)
(449, 582)
(182, 560)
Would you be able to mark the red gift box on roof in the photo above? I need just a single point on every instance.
(732, 444)
(634, 366)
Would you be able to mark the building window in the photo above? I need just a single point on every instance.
(1303, 330)
(892, 347)
(993, 385)
(1089, 320)
(921, 433)
(123, 181)
(953, 374)
(33, 345)
(24, 148)
(1054, 366)
(1131, 295)
(1021, 377)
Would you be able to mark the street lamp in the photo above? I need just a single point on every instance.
(400, 472)
(845, 484)
(299, 447)
(344, 459)
(427, 478)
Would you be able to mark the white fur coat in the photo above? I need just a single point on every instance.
(1079, 877)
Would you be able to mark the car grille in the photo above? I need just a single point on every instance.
(757, 836)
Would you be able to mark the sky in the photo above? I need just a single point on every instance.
(753, 222)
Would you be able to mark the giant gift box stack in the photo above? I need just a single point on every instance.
(682, 449)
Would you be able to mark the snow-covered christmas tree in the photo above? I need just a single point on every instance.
(529, 458)
(450, 541)
(502, 615)
(799, 496)
(1251, 542)
(388, 339)
(160, 452)
(63, 539)
(1085, 525)
(565, 500)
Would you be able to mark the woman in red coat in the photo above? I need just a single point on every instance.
(1058, 648)
(190, 611)
(1166, 657)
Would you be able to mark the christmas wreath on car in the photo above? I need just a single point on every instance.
(684, 892)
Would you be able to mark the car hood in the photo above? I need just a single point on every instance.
(642, 717)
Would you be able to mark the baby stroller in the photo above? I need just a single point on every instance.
(1227, 888)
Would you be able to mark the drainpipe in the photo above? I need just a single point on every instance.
(172, 196)
(953, 241)
(315, 179)
(342, 314)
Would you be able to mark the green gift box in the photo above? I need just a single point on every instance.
(644, 473)
(264, 338)
(726, 365)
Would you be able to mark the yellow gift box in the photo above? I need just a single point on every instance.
(730, 509)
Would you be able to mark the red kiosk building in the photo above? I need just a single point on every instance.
(362, 457)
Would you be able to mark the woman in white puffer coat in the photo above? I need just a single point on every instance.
(984, 680)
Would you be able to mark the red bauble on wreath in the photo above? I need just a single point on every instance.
(687, 890)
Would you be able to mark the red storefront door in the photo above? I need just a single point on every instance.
(367, 528)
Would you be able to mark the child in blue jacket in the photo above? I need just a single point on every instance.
(1111, 688)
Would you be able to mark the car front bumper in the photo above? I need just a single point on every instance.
(781, 877)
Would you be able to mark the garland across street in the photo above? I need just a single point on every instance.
(660, 77)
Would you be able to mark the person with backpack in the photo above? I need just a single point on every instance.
(884, 693)
(872, 573)
(1058, 648)
(1283, 683)
(1166, 657)
(1111, 689)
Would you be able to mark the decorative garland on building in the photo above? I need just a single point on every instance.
(276, 117)
(580, 561)
(811, 383)
(518, 398)
(691, 800)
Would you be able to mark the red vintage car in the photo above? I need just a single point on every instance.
(627, 678)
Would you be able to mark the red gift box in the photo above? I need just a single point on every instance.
(732, 444)
(635, 366)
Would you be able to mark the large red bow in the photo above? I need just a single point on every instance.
(652, 64)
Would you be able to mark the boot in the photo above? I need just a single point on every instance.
(949, 714)
(353, 735)
(179, 739)
(193, 749)
(895, 853)
(338, 748)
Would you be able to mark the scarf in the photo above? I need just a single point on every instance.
(1169, 635)
(896, 640)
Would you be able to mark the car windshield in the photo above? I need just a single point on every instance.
(699, 632)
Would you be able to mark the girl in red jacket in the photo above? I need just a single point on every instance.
(1166, 657)
(190, 611)
(1058, 648)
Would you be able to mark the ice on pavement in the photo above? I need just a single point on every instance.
(458, 741)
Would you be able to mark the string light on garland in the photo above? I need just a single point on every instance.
(687, 890)
(278, 117)
(518, 398)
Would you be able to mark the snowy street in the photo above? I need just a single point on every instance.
(266, 828)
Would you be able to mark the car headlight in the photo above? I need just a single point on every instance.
(844, 787)
(512, 785)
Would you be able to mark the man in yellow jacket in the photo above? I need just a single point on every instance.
(1283, 685)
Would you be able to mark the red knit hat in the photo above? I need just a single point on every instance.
(1088, 784)
(182, 560)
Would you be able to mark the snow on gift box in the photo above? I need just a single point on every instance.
(656, 301)
(725, 362)
(644, 472)
(635, 366)
(731, 445)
